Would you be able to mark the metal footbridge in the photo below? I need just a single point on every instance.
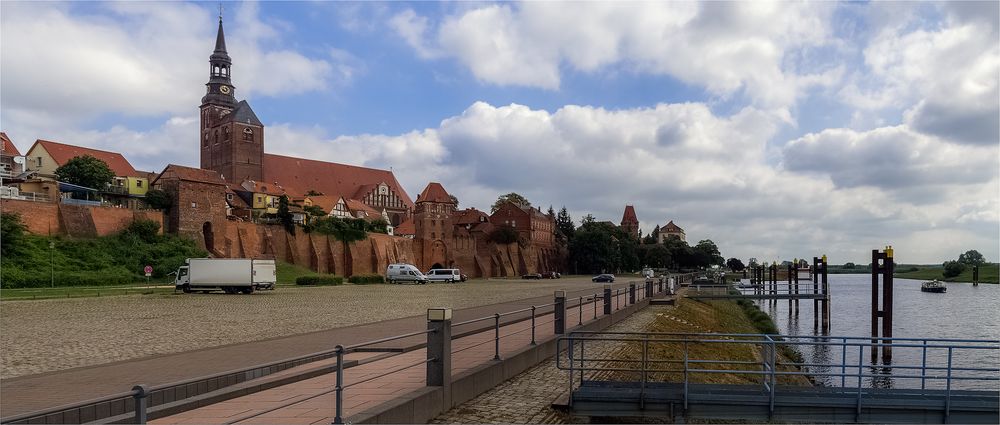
(762, 378)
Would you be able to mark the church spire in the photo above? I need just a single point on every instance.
(220, 89)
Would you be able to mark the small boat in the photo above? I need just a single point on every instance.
(933, 286)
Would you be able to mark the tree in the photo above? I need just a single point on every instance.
(649, 240)
(708, 253)
(510, 197)
(587, 220)
(564, 223)
(850, 266)
(656, 233)
(953, 268)
(681, 254)
(654, 255)
(158, 199)
(314, 210)
(551, 212)
(972, 258)
(503, 234)
(735, 264)
(285, 215)
(314, 193)
(11, 233)
(454, 199)
(86, 171)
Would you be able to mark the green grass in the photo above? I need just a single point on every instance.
(287, 272)
(988, 273)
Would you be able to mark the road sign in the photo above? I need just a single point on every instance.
(148, 270)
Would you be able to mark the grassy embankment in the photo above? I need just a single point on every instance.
(988, 273)
(691, 316)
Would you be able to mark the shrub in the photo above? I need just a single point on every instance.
(11, 233)
(147, 230)
(319, 280)
(504, 235)
(366, 279)
(953, 268)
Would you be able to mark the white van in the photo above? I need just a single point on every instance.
(444, 275)
(398, 273)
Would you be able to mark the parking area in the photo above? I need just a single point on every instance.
(48, 335)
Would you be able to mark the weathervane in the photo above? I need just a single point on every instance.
(220, 11)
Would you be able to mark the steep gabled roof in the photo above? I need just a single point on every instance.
(471, 216)
(355, 205)
(261, 187)
(7, 146)
(61, 153)
(629, 216)
(671, 227)
(325, 202)
(434, 192)
(298, 175)
(243, 113)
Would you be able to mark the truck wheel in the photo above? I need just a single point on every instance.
(248, 290)
(186, 289)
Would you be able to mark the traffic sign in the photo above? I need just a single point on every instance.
(148, 270)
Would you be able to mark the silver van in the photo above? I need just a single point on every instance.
(399, 273)
(444, 275)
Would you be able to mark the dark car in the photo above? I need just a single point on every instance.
(551, 275)
(610, 278)
(465, 277)
(532, 276)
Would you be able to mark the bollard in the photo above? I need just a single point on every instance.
(142, 392)
(439, 350)
(532, 325)
(631, 293)
(607, 299)
(975, 275)
(649, 289)
(560, 313)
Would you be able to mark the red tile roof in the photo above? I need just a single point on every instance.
(470, 216)
(405, 228)
(262, 187)
(355, 205)
(629, 216)
(325, 202)
(7, 146)
(61, 153)
(671, 227)
(181, 172)
(434, 192)
(299, 175)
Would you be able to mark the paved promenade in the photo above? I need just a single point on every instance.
(36, 392)
(304, 402)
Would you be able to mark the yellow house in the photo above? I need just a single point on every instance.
(137, 186)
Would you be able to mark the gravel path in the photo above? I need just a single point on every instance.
(48, 335)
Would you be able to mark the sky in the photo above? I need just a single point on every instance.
(778, 130)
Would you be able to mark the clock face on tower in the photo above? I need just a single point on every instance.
(224, 89)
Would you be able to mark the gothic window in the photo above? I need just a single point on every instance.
(206, 140)
(216, 137)
(248, 134)
(225, 133)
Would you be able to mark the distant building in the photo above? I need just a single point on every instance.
(8, 168)
(630, 222)
(531, 223)
(125, 189)
(671, 230)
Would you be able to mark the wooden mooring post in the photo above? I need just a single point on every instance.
(824, 279)
(882, 264)
(815, 278)
(975, 275)
(789, 279)
(796, 282)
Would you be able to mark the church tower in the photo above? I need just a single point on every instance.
(232, 138)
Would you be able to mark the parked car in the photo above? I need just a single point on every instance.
(465, 277)
(532, 276)
(551, 275)
(444, 275)
(610, 278)
(397, 273)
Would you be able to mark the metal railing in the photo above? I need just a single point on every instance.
(769, 365)
(142, 397)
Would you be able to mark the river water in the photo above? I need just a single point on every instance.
(964, 312)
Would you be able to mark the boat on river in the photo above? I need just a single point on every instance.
(933, 286)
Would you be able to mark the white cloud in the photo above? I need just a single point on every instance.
(139, 59)
(754, 47)
(707, 173)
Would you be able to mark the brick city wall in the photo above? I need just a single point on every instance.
(43, 218)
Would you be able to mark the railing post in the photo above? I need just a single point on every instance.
(843, 363)
(338, 417)
(645, 357)
(496, 336)
(631, 293)
(579, 310)
(947, 397)
(595, 306)
(532, 325)
(141, 402)
(861, 359)
(607, 299)
(439, 350)
(560, 313)
(685, 375)
(923, 368)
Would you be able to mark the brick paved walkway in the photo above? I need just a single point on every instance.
(36, 392)
(468, 353)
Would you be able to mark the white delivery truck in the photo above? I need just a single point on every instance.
(232, 275)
